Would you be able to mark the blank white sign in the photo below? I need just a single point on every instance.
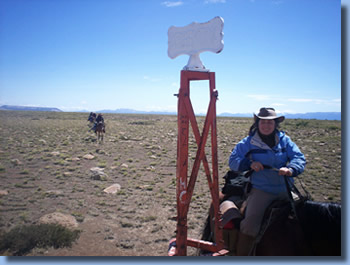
(194, 39)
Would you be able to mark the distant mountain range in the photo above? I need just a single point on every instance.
(309, 115)
(316, 115)
(26, 108)
(132, 111)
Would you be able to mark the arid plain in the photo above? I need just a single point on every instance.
(47, 161)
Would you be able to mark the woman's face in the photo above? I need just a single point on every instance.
(266, 127)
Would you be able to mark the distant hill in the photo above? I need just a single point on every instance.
(309, 115)
(132, 111)
(25, 108)
(239, 115)
(315, 115)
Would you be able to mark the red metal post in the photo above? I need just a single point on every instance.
(182, 168)
(184, 188)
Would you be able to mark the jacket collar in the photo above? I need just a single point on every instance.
(256, 140)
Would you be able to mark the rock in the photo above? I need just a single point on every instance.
(126, 244)
(75, 159)
(98, 174)
(96, 169)
(67, 174)
(16, 162)
(90, 139)
(88, 157)
(113, 189)
(124, 165)
(54, 193)
(55, 153)
(42, 141)
(99, 151)
(143, 187)
(3, 193)
(65, 220)
(93, 213)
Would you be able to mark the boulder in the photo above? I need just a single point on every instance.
(112, 189)
(67, 174)
(65, 220)
(16, 162)
(88, 157)
(3, 192)
(98, 174)
(54, 193)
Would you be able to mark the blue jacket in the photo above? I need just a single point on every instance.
(284, 154)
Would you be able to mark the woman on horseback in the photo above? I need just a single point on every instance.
(270, 154)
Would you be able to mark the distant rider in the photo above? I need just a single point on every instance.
(98, 120)
(92, 117)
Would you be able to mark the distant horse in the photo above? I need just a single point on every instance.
(315, 231)
(100, 131)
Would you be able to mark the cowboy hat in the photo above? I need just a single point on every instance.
(268, 114)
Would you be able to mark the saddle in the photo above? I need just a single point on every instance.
(237, 186)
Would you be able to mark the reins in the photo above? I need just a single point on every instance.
(290, 188)
(290, 196)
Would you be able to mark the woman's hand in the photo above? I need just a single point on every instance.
(221, 196)
(284, 171)
(257, 166)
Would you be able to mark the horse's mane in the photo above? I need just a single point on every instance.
(321, 222)
(328, 213)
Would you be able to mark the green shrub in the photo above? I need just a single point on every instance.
(22, 239)
(302, 123)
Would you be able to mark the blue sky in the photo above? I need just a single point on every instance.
(105, 54)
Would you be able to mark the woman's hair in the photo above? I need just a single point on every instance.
(255, 126)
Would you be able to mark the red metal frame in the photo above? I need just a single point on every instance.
(184, 188)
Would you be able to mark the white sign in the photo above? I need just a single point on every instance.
(194, 39)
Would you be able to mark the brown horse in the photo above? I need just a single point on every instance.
(314, 231)
(100, 131)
